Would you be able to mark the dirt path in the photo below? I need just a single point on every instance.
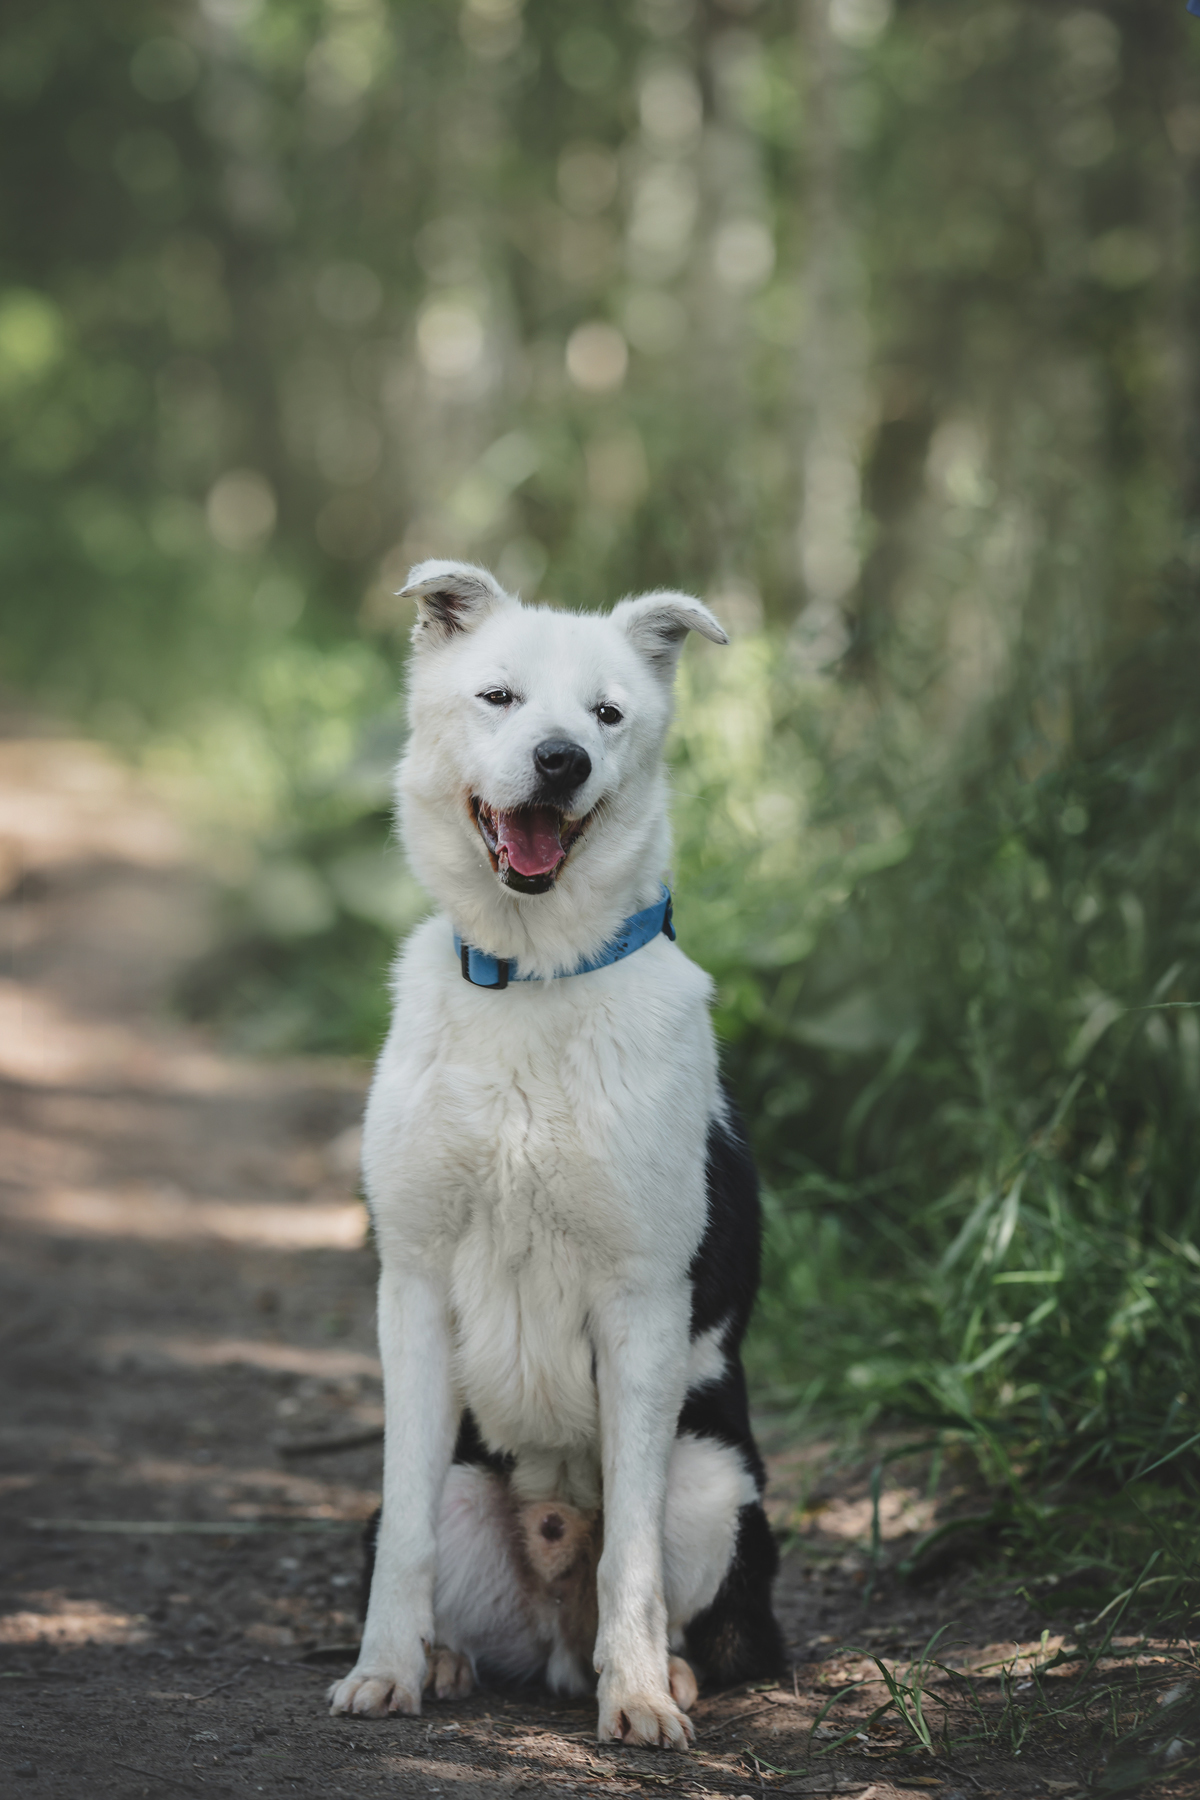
(184, 1295)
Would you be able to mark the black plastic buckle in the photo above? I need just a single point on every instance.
(492, 987)
(668, 923)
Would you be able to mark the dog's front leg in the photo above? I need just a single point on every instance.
(414, 1344)
(641, 1358)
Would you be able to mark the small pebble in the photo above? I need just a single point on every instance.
(25, 1769)
(239, 1750)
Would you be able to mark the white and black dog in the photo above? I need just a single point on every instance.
(564, 1204)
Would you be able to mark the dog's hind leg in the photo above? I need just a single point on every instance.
(719, 1562)
(708, 1484)
(482, 1602)
(682, 1682)
(738, 1638)
(449, 1675)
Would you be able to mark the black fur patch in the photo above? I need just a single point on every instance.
(736, 1638)
(725, 1269)
(370, 1538)
(721, 1410)
(469, 1447)
(445, 608)
(448, 607)
(724, 1277)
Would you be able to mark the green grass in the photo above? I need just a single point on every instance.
(984, 1219)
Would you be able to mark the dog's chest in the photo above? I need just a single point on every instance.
(540, 1226)
(542, 1151)
(523, 1358)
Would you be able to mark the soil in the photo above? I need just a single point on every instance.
(191, 1402)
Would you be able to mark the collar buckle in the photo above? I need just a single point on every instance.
(498, 964)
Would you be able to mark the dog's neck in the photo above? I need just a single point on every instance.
(615, 871)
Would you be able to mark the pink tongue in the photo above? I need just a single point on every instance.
(531, 839)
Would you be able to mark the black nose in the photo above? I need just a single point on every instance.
(562, 765)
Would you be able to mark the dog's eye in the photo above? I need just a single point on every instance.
(609, 715)
(496, 696)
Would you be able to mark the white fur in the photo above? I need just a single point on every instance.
(707, 1486)
(706, 1358)
(481, 1605)
(535, 1161)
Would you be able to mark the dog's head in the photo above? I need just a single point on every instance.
(536, 736)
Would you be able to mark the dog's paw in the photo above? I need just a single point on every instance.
(683, 1684)
(372, 1690)
(449, 1675)
(652, 1719)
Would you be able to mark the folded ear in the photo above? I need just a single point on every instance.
(451, 597)
(656, 625)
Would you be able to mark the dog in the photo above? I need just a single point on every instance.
(563, 1200)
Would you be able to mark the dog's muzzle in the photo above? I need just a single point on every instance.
(528, 845)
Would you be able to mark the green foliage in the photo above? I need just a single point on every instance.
(984, 1203)
(316, 893)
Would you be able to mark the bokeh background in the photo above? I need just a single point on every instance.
(873, 322)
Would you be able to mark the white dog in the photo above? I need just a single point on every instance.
(564, 1206)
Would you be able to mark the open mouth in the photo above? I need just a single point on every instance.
(528, 845)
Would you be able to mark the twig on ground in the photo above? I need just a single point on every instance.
(842, 1786)
(191, 1527)
(326, 1446)
(221, 1685)
(157, 1775)
(963, 1774)
(752, 1712)
(330, 1653)
(40, 1675)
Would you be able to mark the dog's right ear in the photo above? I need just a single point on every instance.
(656, 625)
(452, 598)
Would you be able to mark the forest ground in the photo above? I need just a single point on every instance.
(185, 1298)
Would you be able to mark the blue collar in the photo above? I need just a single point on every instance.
(641, 928)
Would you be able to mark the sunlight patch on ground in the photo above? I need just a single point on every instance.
(304, 1496)
(901, 1511)
(171, 1217)
(59, 1620)
(270, 1637)
(1015, 1659)
(211, 1353)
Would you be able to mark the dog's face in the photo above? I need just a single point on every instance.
(534, 731)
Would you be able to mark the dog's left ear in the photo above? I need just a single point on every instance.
(451, 597)
(656, 625)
